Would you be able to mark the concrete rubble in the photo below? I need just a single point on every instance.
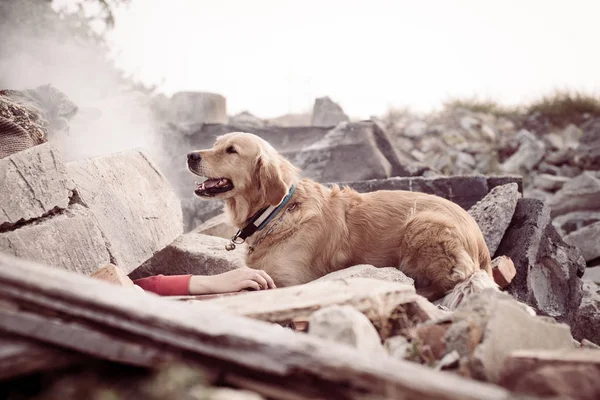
(74, 235)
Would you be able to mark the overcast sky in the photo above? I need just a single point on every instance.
(275, 56)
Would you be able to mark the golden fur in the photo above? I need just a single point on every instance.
(322, 230)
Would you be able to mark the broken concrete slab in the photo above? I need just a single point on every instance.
(586, 323)
(499, 325)
(530, 152)
(389, 274)
(402, 163)
(592, 274)
(327, 113)
(336, 155)
(391, 307)
(121, 325)
(563, 373)
(217, 226)
(588, 151)
(194, 107)
(463, 190)
(397, 347)
(70, 240)
(555, 279)
(587, 239)
(494, 212)
(346, 325)
(132, 202)
(196, 211)
(548, 269)
(34, 184)
(549, 183)
(192, 253)
(575, 220)
(283, 139)
(579, 194)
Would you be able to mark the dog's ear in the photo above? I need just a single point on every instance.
(273, 186)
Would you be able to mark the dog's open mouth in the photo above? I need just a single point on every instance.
(213, 186)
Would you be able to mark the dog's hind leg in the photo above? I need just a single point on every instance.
(434, 248)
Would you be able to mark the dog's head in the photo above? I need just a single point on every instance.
(242, 165)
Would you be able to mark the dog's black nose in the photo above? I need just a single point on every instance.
(194, 156)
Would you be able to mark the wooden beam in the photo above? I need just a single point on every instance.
(19, 356)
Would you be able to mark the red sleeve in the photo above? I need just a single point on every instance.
(174, 285)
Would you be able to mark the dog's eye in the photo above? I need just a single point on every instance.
(231, 150)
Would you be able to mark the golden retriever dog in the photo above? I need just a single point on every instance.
(318, 230)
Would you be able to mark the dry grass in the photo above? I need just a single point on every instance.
(565, 107)
(479, 105)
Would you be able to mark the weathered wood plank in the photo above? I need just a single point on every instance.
(20, 356)
(295, 363)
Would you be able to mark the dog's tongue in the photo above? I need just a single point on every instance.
(210, 183)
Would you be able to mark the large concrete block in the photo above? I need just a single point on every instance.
(463, 190)
(283, 139)
(69, 240)
(494, 212)
(193, 253)
(134, 205)
(34, 182)
(548, 269)
(347, 153)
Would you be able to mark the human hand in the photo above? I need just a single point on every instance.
(231, 281)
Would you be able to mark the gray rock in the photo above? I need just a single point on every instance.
(134, 206)
(550, 183)
(579, 194)
(555, 280)
(348, 326)
(283, 139)
(327, 113)
(192, 253)
(502, 326)
(70, 239)
(197, 211)
(246, 119)
(463, 190)
(587, 239)
(586, 324)
(575, 220)
(494, 212)
(530, 153)
(216, 226)
(389, 274)
(415, 129)
(548, 269)
(588, 151)
(34, 183)
(592, 274)
(398, 347)
(194, 107)
(402, 163)
(348, 152)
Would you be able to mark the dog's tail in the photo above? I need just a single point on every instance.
(477, 282)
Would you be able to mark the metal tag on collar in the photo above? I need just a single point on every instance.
(234, 240)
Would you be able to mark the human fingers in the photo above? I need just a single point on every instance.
(257, 277)
(269, 280)
(249, 284)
